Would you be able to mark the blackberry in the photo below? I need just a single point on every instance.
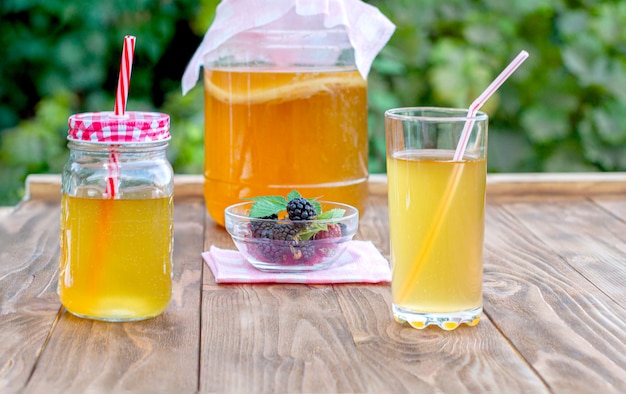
(295, 251)
(301, 209)
(284, 232)
(279, 240)
(279, 243)
(271, 251)
(262, 228)
(302, 251)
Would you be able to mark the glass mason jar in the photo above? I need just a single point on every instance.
(116, 217)
(285, 109)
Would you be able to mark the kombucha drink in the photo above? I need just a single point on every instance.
(437, 268)
(268, 132)
(116, 257)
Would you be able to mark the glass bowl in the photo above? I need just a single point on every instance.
(282, 245)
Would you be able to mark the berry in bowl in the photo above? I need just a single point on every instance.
(292, 234)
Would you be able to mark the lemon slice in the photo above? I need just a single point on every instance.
(289, 90)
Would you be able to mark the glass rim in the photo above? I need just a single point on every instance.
(449, 114)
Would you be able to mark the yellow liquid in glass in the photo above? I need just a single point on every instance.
(440, 272)
(116, 257)
(267, 133)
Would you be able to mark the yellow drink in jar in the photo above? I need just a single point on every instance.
(116, 257)
(269, 132)
(436, 272)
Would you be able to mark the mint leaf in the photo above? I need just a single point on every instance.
(317, 205)
(261, 209)
(311, 230)
(274, 199)
(293, 194)
(267, 206)
(332, 214)
(315, 228)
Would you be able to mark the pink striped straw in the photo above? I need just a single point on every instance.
(123, 84)
(475, 106)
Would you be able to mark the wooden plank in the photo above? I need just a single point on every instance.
(276, 338)
(5, 211)
(188, 186)
(374, 222)
(159, 355)
(29, 239)
(557, 184)
(589, 238)
(398, 358)
(572, 334)
(616, 205)
(377, 184)
(45, 187)
(273, 338)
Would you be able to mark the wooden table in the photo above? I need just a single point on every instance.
(554, 321)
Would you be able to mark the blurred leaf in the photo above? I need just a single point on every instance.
(509, 151)
(572, 23)
(607, 157)
(518, 8)
(382, 100)
(204, 17)
(581, 57)
(12, 185)
(389, 66)
(545, 124)
(609, 121)
(609, 21)
(458, 74)
(567, 158)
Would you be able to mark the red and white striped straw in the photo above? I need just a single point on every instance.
(123, 82)
(113, 180)
(475, 106)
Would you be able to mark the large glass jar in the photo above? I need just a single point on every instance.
(285, 109)
(116, 219)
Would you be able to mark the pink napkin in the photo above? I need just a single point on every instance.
(360, 263)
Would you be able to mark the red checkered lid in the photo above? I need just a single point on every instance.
(132, 127)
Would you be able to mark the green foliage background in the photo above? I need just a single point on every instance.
(563, 110)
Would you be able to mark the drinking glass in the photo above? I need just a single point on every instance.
(436, 215)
